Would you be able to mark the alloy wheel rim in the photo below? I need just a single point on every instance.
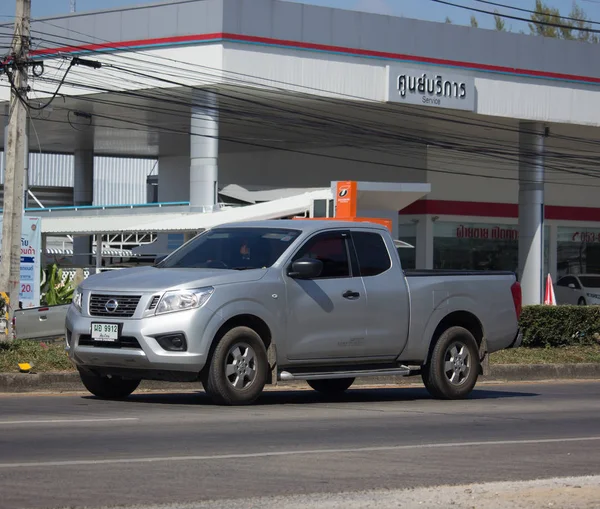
(457, 363)
(240, 366)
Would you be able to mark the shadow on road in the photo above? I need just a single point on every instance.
(309, 397)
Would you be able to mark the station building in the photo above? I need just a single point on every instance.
(250, 102)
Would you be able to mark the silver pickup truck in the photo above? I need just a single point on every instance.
(247, 304)
(44, 322)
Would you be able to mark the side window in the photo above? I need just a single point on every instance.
(373, 256)
(331, 249)
(568, 280)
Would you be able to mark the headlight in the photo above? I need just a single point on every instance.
(77, 297)
(180, 300)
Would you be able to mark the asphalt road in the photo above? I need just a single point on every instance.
(75, 450)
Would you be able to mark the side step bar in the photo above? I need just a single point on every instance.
(399, 371)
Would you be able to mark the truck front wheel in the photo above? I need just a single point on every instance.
(105, 387)
(331, 386)
(453, 368)
(238, 368)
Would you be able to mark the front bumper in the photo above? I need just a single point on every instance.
(138, 349)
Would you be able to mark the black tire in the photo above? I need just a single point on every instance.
(105, 387)
(464, 368)
(582, 302)
(332, 386)
(220, 386)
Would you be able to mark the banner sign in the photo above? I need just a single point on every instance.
(31, 255)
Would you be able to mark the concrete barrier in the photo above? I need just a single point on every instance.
(69, 382)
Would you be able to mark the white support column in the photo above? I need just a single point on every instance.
(204, 149)
(424, 247)
(99, 247)
(531, 210)
(83, 194)
(553, 255)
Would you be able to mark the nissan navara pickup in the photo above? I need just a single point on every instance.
(246, 304)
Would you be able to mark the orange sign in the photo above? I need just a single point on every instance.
(345, 199)
(346, 207)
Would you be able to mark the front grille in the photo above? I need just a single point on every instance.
(126, 305)
(124, 342)
(154, 302)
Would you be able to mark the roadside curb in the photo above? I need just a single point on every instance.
(70, 382)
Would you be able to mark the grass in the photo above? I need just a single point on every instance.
(44, 357)
(51, 357)
(564, 355)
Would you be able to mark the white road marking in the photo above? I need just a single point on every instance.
(52, 421)
(213, 457)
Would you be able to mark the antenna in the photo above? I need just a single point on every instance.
(73, 5)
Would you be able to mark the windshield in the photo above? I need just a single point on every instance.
(590, 281)
(232, 248)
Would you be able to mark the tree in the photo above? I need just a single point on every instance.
(448, 20)
(582, 22)
(499, 23)
(544, 14)
(576, 28)
(474, 23)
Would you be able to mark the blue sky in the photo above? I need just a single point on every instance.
(421, 9)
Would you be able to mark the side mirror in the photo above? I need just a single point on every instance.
(306, 268)
(572, 286)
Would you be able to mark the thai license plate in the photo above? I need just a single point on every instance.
(105, 332)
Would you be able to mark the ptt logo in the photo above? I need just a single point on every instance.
(343, 192)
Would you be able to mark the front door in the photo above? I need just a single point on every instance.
(326, 316)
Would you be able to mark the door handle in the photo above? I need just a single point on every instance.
(349, 294)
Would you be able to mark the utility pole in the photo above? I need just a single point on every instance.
(17, 69)
(73, 5)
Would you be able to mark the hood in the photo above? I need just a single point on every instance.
(152, 279)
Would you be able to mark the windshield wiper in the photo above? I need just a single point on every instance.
(245, 268)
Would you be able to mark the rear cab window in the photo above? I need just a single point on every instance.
(372, 253)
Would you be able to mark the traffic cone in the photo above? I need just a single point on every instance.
(549, 297)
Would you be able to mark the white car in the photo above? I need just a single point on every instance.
(580, 289)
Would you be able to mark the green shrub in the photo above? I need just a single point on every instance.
(552, 326)
(55, 292)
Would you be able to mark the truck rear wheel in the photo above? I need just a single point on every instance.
(105, 387)
(453, 368)
(238, 368)
(331, 386)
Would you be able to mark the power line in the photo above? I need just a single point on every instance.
(241, 80)
(517, 18)
(521, 9)
(136, 94)
(262, 145)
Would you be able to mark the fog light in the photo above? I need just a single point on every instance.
(172, 342)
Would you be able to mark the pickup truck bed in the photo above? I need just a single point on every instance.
(43, 322)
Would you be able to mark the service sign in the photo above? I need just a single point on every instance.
(31, 242)
(430, 87)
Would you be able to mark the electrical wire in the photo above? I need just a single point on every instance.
(516, 18)
(529, 11)
(243, 79)
(186, 117)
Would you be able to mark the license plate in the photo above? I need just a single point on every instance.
(105, 332)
